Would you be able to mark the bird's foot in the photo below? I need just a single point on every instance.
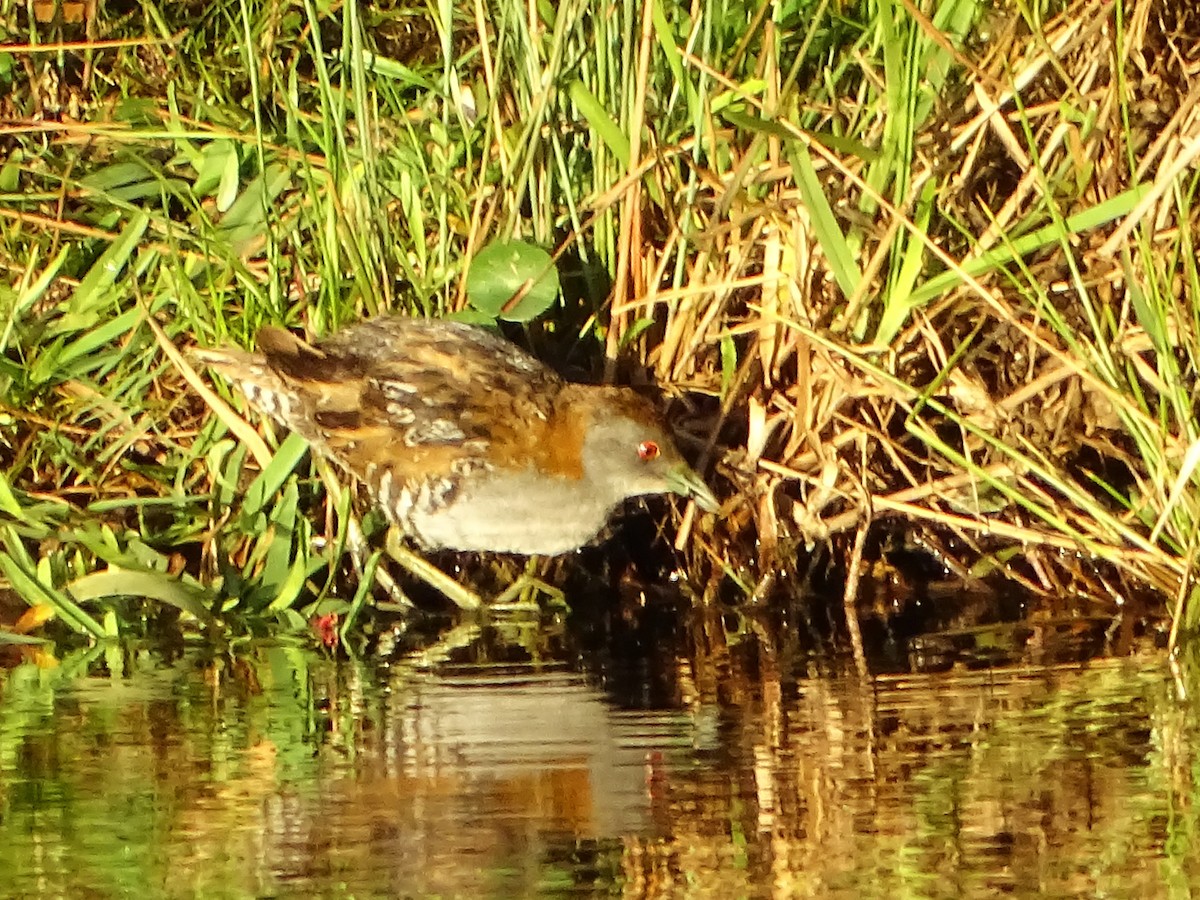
(527, 593)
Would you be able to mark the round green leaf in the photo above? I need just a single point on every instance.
(512, 280)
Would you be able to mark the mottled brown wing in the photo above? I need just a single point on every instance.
(421, 399)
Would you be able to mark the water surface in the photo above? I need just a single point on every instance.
(276, 771)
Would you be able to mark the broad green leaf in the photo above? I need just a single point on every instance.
(22, 574)
(118, 582)
(512, 280)
(117, 175)
(291, 586)
(279, 555)
(212, 173)
(1101, 214)
(825, 222)
(271, 479)
(600, 121)
(94, 287)
(7, 637)
(246, 221)
(8, 500)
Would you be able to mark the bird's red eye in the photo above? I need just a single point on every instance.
(647, 450)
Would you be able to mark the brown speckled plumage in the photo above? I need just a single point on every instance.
(464, 440)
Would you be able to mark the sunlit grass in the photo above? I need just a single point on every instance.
(883, 254)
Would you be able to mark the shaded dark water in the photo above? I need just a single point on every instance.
(276, 772)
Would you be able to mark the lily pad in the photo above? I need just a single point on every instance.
(512, 280)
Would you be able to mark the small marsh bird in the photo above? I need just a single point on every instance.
(464, 440)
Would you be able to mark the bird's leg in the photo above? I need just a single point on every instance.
(522, 593)
(356, 541)
(420, 567)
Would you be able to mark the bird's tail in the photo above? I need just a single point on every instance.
(263, 387)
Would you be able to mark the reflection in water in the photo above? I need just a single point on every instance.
(281, 773)
(479, 779)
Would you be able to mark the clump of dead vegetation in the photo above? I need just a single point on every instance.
(999, 365)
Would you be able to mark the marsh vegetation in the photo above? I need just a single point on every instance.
(918, 282)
